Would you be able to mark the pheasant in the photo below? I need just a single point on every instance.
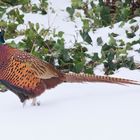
(28, 77)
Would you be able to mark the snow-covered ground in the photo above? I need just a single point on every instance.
(95, 111)
(89, 111)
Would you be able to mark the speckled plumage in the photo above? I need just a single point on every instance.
(26, 72)
(28, 76)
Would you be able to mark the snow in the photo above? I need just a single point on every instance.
(88, 111)
(75, 111)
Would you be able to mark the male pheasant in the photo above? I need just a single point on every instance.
(28, 76)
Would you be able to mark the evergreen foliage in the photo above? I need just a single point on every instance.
(76, 58)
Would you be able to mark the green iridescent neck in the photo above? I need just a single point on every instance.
(2, 41)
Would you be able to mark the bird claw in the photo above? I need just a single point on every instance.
(24, 103)
(35, 102)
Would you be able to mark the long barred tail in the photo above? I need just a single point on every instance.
(78, 78)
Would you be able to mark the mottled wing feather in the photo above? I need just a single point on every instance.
(41, 69)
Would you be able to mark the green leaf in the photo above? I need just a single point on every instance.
(105, 47)
(101, 3)
(37, 26)
(128, 46)
(122, 43)
(132, 21)
(130, 34)
(112, 41)
(92, 4)
(71, 11)
(60, 34)
(95, 57)
(79, 66)
(99, 41)
(85, 36)
(86, 24)
(114, 34)
(134, 28)
(105, 15)
(77, 3)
